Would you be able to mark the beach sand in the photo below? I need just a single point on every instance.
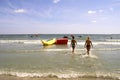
(10, 77)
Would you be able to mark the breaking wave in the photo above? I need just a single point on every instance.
(39, 42)
(64, 75)
(21, 41)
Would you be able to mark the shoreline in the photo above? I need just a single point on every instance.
(11, 77)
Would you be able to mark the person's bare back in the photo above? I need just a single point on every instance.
(88, 45)
(73, 44)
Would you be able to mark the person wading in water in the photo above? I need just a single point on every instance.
(73, 44)
(88, 44)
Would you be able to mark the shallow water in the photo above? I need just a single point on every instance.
(28, 58)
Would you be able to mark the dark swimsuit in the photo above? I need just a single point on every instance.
(88, 46)
(73, 45)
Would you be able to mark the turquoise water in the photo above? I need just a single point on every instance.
(23, 55)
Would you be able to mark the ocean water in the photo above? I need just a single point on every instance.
(25, 56)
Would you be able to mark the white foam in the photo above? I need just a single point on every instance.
(21, 41)
(69, 74)
(63, 75)
(90, 56)
(56, 50)
(113, 40)
(72, 75)
(106, 43)
(39, 42)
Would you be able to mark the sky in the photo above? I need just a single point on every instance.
(59, 16)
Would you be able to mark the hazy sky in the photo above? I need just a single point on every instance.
(60, 16)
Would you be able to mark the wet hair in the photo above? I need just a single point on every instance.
(88, 37)
(73, 37)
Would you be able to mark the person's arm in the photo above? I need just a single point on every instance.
(85, 44)
(91, 44)
(71, 43)
(76, 42)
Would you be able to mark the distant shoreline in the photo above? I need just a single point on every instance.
(60, 34)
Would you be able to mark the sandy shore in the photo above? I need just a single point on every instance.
(9, 77)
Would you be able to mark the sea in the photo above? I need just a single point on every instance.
(24, 56)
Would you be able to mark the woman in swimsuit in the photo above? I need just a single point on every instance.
(73, 43)
(88, 45)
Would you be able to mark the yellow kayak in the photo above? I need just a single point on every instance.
(50, 42)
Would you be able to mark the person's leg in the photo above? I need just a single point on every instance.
(73, 47)
(88, 49)
(88, 52)
(73, 50)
